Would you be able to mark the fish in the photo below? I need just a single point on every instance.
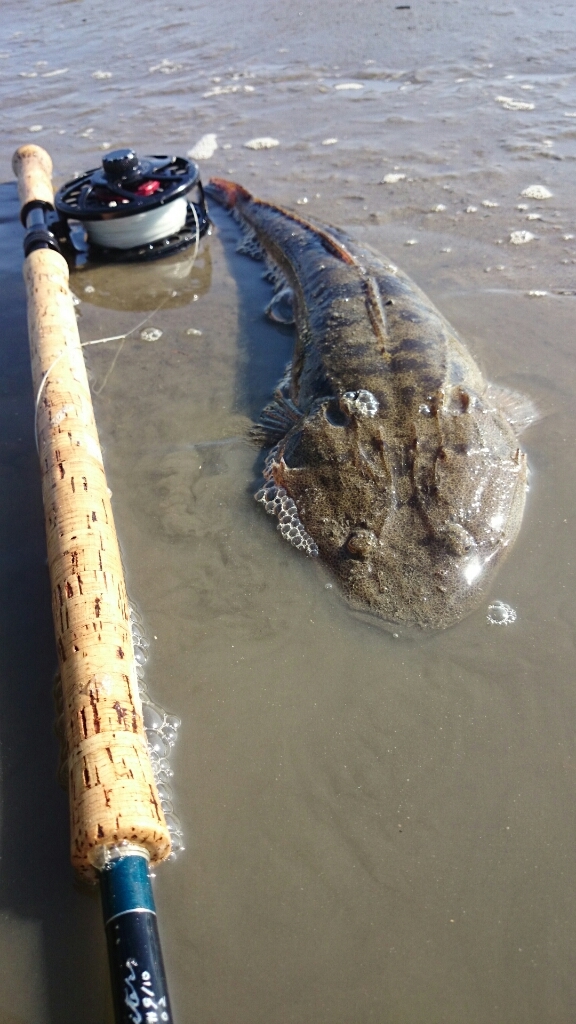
(391, 458)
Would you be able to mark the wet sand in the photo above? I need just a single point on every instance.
(376, 829)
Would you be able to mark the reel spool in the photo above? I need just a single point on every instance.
(131, 209)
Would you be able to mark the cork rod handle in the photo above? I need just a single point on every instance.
(33, 169)
(113, 795)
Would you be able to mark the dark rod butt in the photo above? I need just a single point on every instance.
(137, 973)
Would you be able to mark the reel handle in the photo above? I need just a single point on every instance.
(33, 169)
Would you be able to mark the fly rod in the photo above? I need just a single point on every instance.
(117, 824)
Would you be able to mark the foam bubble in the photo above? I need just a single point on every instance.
(265, 142)
(500, 614)
(508, 103)
(161, 732)
(537, 192)
(204, 148)
(521, 237)
(361, 402)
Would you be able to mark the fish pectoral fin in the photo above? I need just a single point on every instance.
(276, 419)
(519, 410)
(281, 308)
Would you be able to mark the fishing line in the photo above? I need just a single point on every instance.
(113, 337)
(85, 344)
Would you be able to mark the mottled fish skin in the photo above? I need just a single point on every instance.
(414, 493)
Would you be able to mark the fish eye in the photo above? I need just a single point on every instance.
(456, 539)
(360, 543)
(335, 414)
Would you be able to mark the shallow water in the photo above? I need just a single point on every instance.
(376, 829)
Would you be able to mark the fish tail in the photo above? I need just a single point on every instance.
(226, 193)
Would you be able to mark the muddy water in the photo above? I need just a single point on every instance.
(376, 829)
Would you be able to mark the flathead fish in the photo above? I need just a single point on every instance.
(391, 457)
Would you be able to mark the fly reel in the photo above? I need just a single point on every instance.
(131, 209)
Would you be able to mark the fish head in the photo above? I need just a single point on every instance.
(413, 528)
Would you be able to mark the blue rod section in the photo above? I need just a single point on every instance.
(137, 973)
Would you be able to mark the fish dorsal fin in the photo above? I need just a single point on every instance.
(330, 243)
(374, 305)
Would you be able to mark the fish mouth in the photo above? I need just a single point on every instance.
(225, 193)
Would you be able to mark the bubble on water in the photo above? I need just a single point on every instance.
(177, 846)
(153, 717)
(392, 179)
(151, 334)
(156, 743)
(174, 824)
(500, 614)
(332, 142)
(535, 294)
(348, 85)
(194, 332)
(411, 241)
(170, 735)
(471, 209)
(140, 656)
(489, 203)
(439, 208)
(164, 792)
(101, 74)
(277, 503)
(36, 128)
